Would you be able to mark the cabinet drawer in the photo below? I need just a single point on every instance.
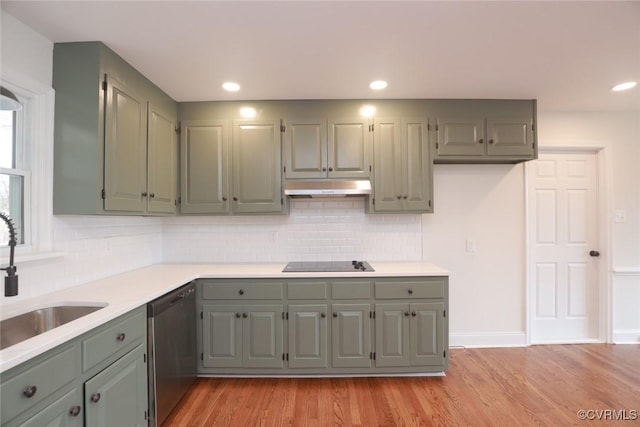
(307, 290)
(351, 290)
(114, 338)
(242, 290)
(409, 289)
(43, 379)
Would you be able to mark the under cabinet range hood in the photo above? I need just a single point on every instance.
(327, 187)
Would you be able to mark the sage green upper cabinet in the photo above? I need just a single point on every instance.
(485, 131)
(115, 146)
(205, 166)
(313, 152)
(256, 167)
(402, 166)
(349, 148)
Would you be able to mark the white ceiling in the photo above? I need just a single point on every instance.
(565, 54)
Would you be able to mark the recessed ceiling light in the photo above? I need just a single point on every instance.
(378, 84)
(624, 86)
(231, 86)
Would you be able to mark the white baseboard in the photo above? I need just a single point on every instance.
(498, 339)
(626, 336)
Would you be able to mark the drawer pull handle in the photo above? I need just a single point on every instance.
(241, 291)
(75, 411)
(323, 315)
(95, 397)
(335, 314)
(121, 336)
(410, 291)
(413, 313)
(406, 313)
(30, 391)
(238, 315)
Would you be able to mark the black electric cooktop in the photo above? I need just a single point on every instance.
(327, 266)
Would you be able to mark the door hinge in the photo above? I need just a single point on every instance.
(201, 316)
(533, 127)
(104, 85)
(103, 194)
(370, 168)
(373, 201)
(444, 353)
(370, 355)
(436, 127)
(444, 313)
(145, 415)
(285, 168)
(201, 356)
(144, 358)
(429, 203)
(281, 201)
(437, 145)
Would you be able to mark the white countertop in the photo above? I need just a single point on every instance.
(124, 292)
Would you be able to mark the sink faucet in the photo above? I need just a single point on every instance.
(11, 281)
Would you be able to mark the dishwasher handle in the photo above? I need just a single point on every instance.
(165, 302)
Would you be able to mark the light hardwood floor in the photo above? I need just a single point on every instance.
(533, 386)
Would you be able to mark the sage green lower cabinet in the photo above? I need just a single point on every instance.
(323, 326)
(308, 336)
(117, 396)
(351, 335)
(97, 379)
(410, 334)
(247, 336)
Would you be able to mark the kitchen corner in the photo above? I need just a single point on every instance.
(124, 292)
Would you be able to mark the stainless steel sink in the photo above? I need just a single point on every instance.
(27, 325)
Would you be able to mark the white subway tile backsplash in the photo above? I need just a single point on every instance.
(328, 229)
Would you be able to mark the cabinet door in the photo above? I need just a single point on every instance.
(204, 158)
(460, 136)
(305, 148)
(510, 136)
(392, 335)
(262, 336)
(117, 396)
(308, 336)
(427, 334)
(416, 166)
(64, 412)
(257, 176)
(221, 336)
(349, 149)
(125, 162)
(162, 156)
(351, 335)
(388, 180)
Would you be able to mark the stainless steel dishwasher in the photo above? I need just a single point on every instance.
(171, 322)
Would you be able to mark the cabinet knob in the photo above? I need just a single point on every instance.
(399, 197)
(324, 169)
(235, 199)
(245, 315)
(30, 391)
(335, 314)
(410, 291)
(121, 336)
(95, 397)
(75, 411)
(241, 291)
(330, 169)
(414, 314)
(238, 315)
(406, 314)
(224, 199)
(144, 194)
(152, 195)
(491, 141)
(481, 141)
(323, 315)
(405, 197)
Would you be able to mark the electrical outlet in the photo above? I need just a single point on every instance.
(471, 246)
(620, 216)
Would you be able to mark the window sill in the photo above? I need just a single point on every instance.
(31, 256)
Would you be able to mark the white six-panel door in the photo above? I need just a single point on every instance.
(563, 210)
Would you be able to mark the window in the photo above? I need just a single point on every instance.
(14, 174)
